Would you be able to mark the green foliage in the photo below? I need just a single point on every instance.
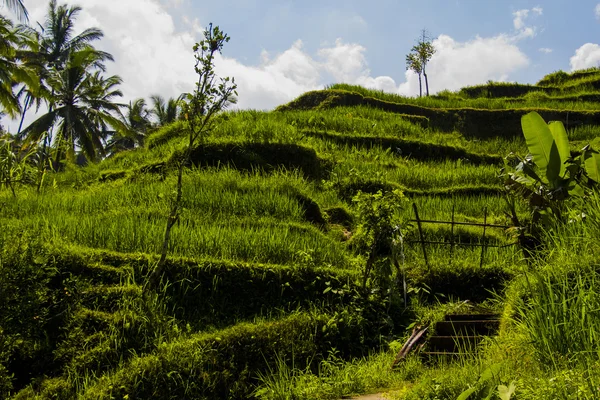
(551, 175)
(264, 282)
(208, 99)
(486, 386)
(336, 378)
(379, 232)
(15, 167)
(260, 156)
(231, 359)
(36, 299)
(165, 134)
(559, 315)
(504, 89)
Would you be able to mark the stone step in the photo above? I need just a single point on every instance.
(474, 327)
(451, 344)
(431, 357)
(471, 317)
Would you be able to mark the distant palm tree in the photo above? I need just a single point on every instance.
(137, 122)
(81, 108)
(165, 112)
(18, 8)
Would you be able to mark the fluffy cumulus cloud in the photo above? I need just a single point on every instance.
(151, 55)
(276, 80)
(586, 56)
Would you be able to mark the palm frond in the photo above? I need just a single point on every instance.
(18, 8)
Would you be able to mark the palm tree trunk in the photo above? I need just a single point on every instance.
(42, 170)
(25, 107)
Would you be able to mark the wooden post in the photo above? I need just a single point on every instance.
(452, 236)
(483, 237)
(421, 235)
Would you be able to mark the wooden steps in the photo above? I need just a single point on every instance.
(459, 333)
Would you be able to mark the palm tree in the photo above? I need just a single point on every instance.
(165, 112)
(18, 8)
(8, 41)
(81, 108)
(137, 122)
(11, 71)
(51, 46)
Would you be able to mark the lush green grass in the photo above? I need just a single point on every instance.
(262, 294)
(452, 101)
(226, 214)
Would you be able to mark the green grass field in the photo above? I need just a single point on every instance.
(262, 295)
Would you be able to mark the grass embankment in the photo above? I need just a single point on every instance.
(262, 292)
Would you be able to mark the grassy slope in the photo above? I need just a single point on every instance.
(263, 269)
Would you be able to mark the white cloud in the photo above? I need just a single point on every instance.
(546, 50)
(597, 11)
(345, 62)
(586, 56)
(150, 54)
(519, 18)
(519, 22)
(275, 81)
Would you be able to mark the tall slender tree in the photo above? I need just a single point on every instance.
(424, 50)
(210, 97)
(413, 63)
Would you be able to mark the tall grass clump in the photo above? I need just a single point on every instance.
(560, 308)
(561, 316)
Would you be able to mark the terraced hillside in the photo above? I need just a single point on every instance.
(263, 291)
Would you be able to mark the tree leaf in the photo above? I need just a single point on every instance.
(490, 372)
(562, 144)
(505, 393)
(465, 395)
(541, 145)
(592, 164)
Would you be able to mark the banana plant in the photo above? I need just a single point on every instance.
(549, 174)
(15, 166)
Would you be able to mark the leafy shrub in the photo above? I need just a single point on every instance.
(36, 299)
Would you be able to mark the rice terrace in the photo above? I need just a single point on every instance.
(350, 242)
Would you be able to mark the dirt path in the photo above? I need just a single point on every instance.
(376, 396)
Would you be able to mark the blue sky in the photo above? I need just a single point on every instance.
(388, 29)
(280, 49)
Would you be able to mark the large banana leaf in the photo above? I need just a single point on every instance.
(592, 164)
(542, 147)
(562, 144)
